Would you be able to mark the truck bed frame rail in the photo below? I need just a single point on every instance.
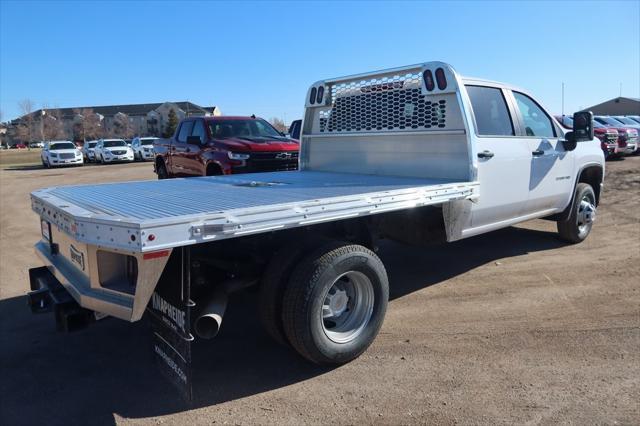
(153, 215)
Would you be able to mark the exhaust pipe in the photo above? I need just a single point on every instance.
(208, 322)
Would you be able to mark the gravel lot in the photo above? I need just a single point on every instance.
(510, 327)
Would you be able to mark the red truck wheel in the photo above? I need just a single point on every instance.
(161, 171)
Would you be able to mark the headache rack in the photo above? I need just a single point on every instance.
(153, 215)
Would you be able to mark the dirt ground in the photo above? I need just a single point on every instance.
(511, 327)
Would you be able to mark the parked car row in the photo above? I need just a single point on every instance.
(118, 150)
(618, 135)
(67, 153)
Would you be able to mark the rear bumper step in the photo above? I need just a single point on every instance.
(47, 294)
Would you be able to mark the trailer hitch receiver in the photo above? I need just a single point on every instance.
(49, 295)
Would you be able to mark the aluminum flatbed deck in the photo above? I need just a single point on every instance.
(151, 215)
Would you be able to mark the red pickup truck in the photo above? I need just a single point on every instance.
(208, 146)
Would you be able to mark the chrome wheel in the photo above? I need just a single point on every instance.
(586, 214)
(347, 307)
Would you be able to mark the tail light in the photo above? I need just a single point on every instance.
(320, 94)
(428, 80)
(441, 79)
(312, 96)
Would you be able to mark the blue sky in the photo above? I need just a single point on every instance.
(260, 57)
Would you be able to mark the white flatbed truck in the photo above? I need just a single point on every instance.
(416, 154)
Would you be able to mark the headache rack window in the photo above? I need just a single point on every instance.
(382, 104)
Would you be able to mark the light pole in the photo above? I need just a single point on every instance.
(563, 99)
(42, 114)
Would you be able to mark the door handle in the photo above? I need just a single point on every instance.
(537, 153)
(485, 154)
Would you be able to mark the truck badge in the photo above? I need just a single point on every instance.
(77, 256)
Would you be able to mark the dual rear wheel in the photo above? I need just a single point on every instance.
(327, 301)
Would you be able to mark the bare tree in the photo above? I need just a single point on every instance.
(26, 120)
(53, 125)
(121, 127)
(87, 125)
(278, 123)
(22, 133)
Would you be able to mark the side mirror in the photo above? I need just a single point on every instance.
(583, 126)
(194, 140)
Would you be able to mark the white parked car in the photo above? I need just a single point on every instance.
(143, 148)
(61, 153)
(88, 151)
(112, 150)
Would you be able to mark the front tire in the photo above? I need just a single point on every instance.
(577, 227)
(161, 171)
(335, 303)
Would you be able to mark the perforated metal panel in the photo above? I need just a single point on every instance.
(382, 104)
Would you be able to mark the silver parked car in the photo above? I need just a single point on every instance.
(143, 148)
(88, 151)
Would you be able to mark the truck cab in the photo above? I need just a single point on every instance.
(210, 146)
(523, 164)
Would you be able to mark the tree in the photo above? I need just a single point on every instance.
(87, 125)
(122, 127)
(26, 131)
(172, 124)
(22, 133)
(53, 125)
(278, 123)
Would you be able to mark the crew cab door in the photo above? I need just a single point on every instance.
(504, 161)
(192, 155)
(550, 182)
(179, 149)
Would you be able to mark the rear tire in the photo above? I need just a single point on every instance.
(576, 228)
(335, 302)
(273, 284)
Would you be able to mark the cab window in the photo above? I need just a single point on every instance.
(490, 111)
(198, 130)
(535, 121)
(185, 130)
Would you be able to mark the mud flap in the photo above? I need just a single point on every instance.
(170, 308)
